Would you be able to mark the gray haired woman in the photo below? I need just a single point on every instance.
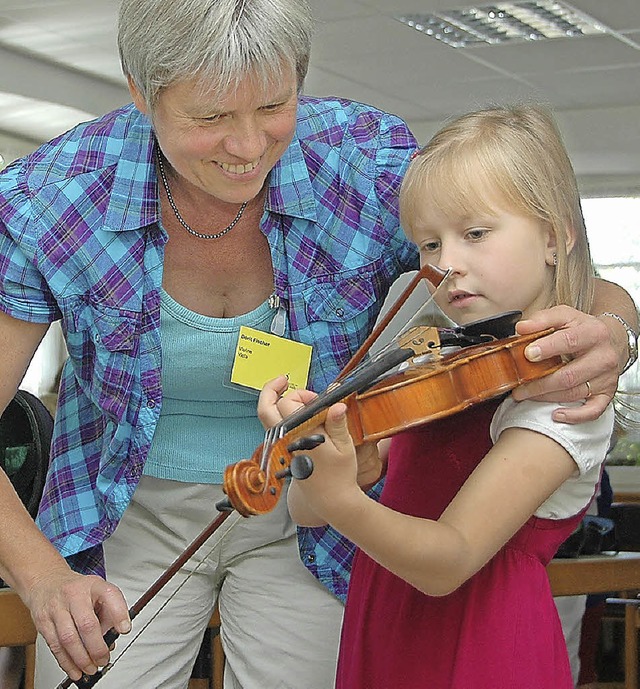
(220, 202)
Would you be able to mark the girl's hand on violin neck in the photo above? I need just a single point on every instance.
(332, 489)
(370, 465)
(586, 340)
(272, 407)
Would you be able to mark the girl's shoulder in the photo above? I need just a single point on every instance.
(587, 443)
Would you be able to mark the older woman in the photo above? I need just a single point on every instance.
(221, 199)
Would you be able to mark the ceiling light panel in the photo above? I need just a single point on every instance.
(504, 22)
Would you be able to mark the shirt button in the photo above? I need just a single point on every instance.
(96, 337)
(340, 312)
(311, 558)
(151, 404)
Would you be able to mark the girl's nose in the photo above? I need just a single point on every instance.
(451, 258)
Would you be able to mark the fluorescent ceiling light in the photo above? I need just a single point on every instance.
(504, 22)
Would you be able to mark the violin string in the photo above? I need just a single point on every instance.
(217, 543)
(270, 437)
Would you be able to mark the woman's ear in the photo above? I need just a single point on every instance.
(137, 97)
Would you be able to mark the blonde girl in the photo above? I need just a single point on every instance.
(449, 588)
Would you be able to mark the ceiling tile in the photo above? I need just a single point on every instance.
(591, 88)
(578, 53)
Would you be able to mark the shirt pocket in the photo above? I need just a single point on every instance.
(340, 313)
(104, 348)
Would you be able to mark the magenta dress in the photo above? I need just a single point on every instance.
(500, 630)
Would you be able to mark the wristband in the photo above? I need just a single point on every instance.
(632, 339)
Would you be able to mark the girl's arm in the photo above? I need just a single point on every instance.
(517, 475)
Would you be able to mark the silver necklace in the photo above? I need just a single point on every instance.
(181, 220)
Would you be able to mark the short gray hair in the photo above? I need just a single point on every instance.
(220, 42)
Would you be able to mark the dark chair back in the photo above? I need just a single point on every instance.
(26, 428)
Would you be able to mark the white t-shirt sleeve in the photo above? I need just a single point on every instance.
(587, 443)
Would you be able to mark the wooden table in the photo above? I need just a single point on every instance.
(602, 574)
(598, 574)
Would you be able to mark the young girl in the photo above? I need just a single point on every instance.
(449, 588)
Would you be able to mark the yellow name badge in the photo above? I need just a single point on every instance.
(260, 357)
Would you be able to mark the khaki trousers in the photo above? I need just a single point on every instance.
(280, 626)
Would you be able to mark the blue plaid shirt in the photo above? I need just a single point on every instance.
(80, 241)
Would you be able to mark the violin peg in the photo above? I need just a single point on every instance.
(301, 466)
(224, 505)
(308, 442)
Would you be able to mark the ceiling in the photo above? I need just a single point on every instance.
(59, 66)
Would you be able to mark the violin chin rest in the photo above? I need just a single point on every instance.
(500, 326)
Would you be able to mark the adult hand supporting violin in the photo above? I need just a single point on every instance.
(598, 348)
(272, 408)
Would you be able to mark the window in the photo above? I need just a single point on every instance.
(613, 228)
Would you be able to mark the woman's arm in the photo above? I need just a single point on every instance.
(67, 608)
(598, 345)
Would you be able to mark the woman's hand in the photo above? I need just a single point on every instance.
(72, 612)
(596, 349)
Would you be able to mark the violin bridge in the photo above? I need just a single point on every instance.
(420, 340)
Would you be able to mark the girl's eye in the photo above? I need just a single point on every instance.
(430, 247)
(477, 233)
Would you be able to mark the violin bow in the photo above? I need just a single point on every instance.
(87, 681)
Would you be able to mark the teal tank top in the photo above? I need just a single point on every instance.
(205, 424)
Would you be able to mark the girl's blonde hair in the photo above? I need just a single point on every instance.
(518, 152)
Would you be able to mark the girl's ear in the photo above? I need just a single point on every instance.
(551, 254)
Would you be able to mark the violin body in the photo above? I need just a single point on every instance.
(403, 400)
(431, 391)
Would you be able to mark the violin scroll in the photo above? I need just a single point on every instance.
(252, 489)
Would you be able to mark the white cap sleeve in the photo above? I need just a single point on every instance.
(587, 443)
